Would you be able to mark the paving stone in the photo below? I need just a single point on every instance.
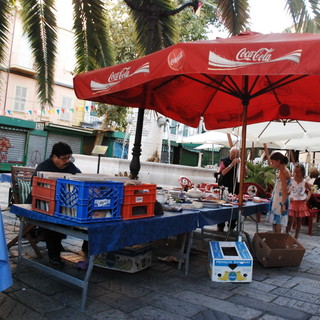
(220, 305)
(213, 315)
(150, 313)
(270, 308)
(67, 314)
(113, 314)
(254, 293)
(36, 300)
(280, 280)
(299, 300)
(121, 302)
(10, 309)
(271, 317)
(173, 304)
(298, 295)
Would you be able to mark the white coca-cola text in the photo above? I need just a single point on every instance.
(116, 76)
(263, 54)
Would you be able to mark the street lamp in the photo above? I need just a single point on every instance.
(153, 13)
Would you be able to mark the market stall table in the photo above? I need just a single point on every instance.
(213, 216)
(108, 236)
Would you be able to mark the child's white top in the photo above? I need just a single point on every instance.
(298, 190)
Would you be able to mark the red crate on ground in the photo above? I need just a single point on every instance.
(138, 201)
(43, 195)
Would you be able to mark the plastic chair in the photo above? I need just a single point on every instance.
(255, 190)
(21, 188)
(314, 213)
(185, 183)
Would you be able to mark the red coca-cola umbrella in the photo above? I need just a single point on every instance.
(229, 82)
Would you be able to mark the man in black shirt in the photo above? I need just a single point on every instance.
(228, 177)
(59, 161)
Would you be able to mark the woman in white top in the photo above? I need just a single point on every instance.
(300, 193)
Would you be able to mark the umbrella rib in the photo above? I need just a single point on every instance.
(280, 83)
(228, 88)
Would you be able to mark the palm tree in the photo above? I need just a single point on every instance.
(92, 44)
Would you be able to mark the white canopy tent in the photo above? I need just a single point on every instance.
(280, 130)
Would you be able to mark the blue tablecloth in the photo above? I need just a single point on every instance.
(114, 235)
(5, 177)
(212, 216)
(5, 271)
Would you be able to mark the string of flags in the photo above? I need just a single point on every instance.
(56, 110)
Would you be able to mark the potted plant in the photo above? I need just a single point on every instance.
(261, 174)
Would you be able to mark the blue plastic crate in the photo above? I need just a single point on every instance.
(85, 201)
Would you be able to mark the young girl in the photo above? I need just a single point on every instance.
(279, 204)
(300, 193)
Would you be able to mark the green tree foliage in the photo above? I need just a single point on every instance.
(260, 174)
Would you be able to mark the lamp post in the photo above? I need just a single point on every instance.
(154, 13)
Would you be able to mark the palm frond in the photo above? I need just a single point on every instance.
(235, 15)
(92, 43)
(155, 28)
(40, 27)
(300, 11)
(4, 25)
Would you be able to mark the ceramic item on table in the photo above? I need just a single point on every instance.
(194, 193)
(162, 196)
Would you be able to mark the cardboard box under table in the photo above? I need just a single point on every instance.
(229, 262)
(129, 259)
(277, 249)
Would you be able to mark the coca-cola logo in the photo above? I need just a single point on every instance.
(176, 59)
(260, 55)
(116, 76)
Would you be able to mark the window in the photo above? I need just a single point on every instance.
(185, 131)
(173, 127)
(65, 108)
(20, 99)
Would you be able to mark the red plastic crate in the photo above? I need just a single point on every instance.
(138, 201)
(43, 205)
(131, 211)
(43, 195)
(139, 194)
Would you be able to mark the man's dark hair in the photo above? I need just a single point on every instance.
(60, 149)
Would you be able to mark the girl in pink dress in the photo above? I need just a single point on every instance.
(300, 193)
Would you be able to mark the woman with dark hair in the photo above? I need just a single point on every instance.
(279, 203)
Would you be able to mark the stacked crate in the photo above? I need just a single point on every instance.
(78, 201)
(138, 201)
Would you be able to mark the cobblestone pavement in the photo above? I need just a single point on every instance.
(163, 292)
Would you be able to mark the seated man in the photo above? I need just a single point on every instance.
(59, 161)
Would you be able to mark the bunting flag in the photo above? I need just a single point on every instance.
(54, 110)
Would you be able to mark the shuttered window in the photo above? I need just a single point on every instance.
(20, 99)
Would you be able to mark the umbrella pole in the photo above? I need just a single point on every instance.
(136, 150)
(245, 104)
